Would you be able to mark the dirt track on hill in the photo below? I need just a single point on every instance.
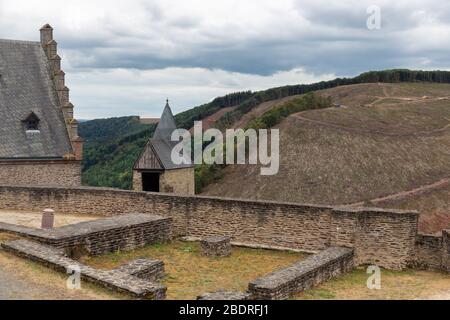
(358, 130)
(405, 194)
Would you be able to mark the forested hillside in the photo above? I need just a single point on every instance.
(112, 145)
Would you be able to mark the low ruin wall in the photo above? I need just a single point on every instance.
(383, 237)
(302, 275)
(428, 252)
(119, 279)
(97, 237)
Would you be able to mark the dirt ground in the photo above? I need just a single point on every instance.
(24, 280)
(33, 219)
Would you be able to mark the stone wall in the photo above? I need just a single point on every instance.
(445, 264)
(180, 181)
(302, 275)
(428, 252)
(124, 232)
(41, 173)
(382, 237)
(137, 180)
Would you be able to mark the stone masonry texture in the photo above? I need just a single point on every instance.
(118, 279)
(216, 246)
(179, 181)
(101, 236)
(225, 295)
(383, 237)
(429, 252)
(302, 275)
(49, 173)
(144, 268)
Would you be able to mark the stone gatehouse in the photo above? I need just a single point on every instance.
(39, 142)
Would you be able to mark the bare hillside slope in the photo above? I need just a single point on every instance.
(386, 138)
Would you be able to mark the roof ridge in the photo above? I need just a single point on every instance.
(20, 41)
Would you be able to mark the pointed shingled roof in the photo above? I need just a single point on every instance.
(166, 124)
(161, 145)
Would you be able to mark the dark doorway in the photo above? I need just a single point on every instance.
(150, 181)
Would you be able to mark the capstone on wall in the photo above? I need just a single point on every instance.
(383, 237)
(41, 173)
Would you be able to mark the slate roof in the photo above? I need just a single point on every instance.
(161, 141)
(26, 86)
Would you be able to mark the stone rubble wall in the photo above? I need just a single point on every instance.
(302, 275)
(126, 232)
(180, 181)
(428, 252)
(383, 237)
(42, 173)
(118, 280)
(149, 269)
(225, 295)
(216, 246)
(445, 264)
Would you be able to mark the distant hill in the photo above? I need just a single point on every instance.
(382, 140)
(112, 145)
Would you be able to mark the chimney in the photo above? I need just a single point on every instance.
(46, 35)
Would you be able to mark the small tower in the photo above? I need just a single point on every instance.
(154, 170)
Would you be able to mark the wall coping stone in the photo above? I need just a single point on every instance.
(337, 209)
(301, 268)
(82, 228)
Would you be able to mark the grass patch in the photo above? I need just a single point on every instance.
(398, 285)
(190, 274)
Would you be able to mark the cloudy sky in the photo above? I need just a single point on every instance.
(125, 58)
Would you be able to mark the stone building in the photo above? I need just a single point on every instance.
(154, 170)
(39, 142)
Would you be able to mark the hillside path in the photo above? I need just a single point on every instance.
(408, 193)
(391, 134)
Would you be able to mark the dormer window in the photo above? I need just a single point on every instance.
(31, 122)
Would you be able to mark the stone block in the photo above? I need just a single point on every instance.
(149, 269)
(216, 246)
(225, 295)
